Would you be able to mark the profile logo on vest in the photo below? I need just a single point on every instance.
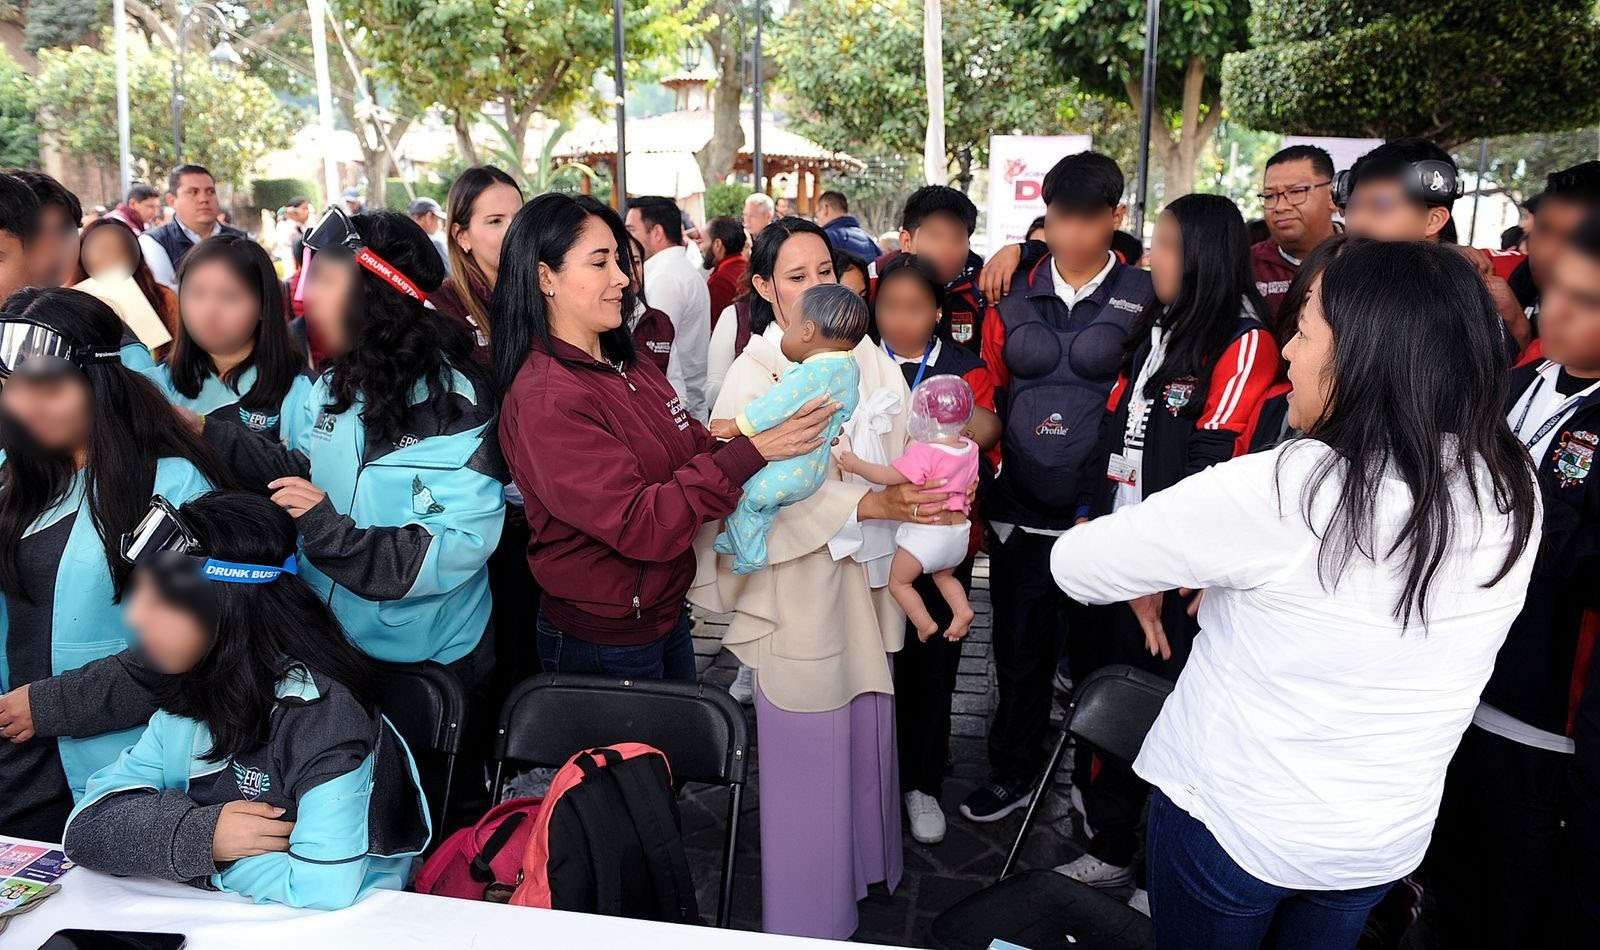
(1053, 425)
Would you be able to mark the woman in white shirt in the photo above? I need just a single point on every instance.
(1358, 583)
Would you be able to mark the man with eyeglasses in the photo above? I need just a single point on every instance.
(1297, 200)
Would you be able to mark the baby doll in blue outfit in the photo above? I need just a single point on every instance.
(818, 341)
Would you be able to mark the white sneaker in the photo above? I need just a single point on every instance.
(927, 818)
(1094, 872)
(743, 688)
(1140, 901)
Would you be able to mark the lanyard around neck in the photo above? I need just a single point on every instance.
(1562, 411)
(922, 367)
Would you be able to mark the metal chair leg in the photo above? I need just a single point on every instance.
(1039, 792)
(499, 785)
(725, 898)
(444, 792)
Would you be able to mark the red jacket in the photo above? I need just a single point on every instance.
(1272, 272)
(724, 283)
(653, 334)
(617, 480)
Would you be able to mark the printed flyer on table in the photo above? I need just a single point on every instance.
(27, 869)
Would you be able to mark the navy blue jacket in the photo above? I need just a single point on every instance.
(847, 234)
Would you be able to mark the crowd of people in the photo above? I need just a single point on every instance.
(1334, 483)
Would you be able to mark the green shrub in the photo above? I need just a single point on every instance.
(724, 199)
(394, 193)
(274, 193)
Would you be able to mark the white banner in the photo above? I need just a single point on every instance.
(1344, 151)
(1017, 166)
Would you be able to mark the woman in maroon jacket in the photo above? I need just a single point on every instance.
(617, 477)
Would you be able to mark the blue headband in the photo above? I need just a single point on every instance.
(228, 572)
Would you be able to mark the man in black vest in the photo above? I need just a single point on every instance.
(192, 192)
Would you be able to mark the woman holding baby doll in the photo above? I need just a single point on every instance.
(824, 693)
(616, 476)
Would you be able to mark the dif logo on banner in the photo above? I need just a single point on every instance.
(1017, 166)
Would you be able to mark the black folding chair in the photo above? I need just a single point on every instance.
(551, 717)
(428, 706)
(1112, 710)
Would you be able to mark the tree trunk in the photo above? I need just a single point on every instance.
(718, 156)
(463, 126)
(517, 118)
(964, 168)
(1197, 121)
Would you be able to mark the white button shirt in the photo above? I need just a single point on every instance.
(678, 289)
(161, 266)
(1309, 732)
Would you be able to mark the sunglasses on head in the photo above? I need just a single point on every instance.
(44, 350)
(164, 540)
(336, 232)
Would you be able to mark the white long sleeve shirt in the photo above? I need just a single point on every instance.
(678, 289)
(1309, 732)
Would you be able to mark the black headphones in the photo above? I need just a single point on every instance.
(1430, 181)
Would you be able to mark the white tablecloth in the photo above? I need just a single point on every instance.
(390, 920)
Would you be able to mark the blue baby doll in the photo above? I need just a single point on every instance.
(818, 341)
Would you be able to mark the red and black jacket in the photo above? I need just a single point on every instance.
(1543, 667)
(1179, 443)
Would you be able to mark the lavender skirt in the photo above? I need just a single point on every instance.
(830, 813)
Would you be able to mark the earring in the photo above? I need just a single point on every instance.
(549, 293)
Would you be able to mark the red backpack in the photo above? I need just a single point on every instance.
(608, 840)
(483, 862)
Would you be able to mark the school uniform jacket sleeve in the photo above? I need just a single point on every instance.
(432, 552)
(258, 458)
(598, 488)
(130, 824)
(1239, 384)
(105, 695)
(1249, 535)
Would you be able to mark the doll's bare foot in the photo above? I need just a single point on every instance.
(960, 624)
(927, 631)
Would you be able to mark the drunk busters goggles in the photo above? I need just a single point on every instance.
(164, 542)
(336, 232)
(33, 349)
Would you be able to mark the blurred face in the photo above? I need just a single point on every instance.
(300, 214)
(636, 260)
(1297, 227)
(756, 219)
(1383, 211)
(1080, 240)
(782, 207)
(332, 283)
(220, 312)
(196, 203)
(803, 262)
(587, 290)
(905, 314)
(650, 235)
(1569, 311)
(429, 223)
(481, 235)
(106, 255)
(171, 637)
(1166, 258)
(1548, 233)
(941, 241)
(853, 278)
(57, 247)
(149, 210)
(55, 411)
(1310, 356)
(352, 205)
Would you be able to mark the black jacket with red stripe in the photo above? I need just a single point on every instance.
(1178, 444)
(1540, 673)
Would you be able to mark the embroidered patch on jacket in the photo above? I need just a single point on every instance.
(961, 332)
(323, 428)
(1574, 457)
(1178, 393)
(422, 501)
(257, 421)
(253, 782)
(1054, 425)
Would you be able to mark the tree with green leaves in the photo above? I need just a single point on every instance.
(60, 23)
(862, 90)
(1519, 164)
(1449, 70)
(1101, 44)
(521, 58)
(19, 134)
(74, 98)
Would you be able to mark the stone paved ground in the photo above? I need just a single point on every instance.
(936, 876)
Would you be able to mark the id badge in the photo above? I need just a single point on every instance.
(1122, 471)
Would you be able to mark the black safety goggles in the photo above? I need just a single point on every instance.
(33, 349)
(164, 541)
(336, 232)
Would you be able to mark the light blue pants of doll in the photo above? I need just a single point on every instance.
(782, 483)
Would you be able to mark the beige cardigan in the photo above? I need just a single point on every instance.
(812, 626)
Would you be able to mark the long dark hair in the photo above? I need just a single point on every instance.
(1418, 362)
(1217, 286)
(465, 271)
(275, 360)
(159, 302)
(398, 341)
(544, 232)
(131, 427)
(262, 630)
(764, 262)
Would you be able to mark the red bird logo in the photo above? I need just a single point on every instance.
(1014, 169)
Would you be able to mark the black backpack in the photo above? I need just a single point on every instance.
(609, 840)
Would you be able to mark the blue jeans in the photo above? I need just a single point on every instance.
(1199, 898)
(669, 658)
